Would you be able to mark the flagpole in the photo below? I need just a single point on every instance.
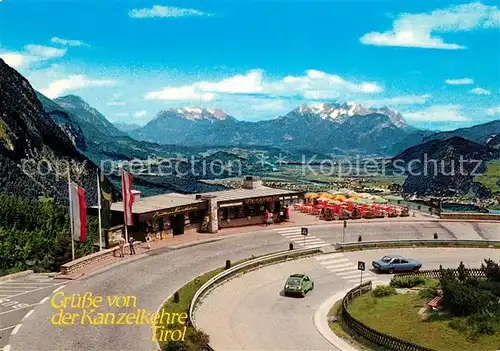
(123, 199)
(99, 209)
(71, 218)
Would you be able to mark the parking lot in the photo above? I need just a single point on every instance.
(18, 299)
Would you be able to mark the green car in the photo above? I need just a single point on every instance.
(298, 284)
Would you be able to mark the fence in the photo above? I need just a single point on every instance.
(436, 273)
(368, 333)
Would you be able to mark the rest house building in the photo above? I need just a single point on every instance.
(172, 214)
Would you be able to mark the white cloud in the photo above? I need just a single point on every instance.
(461, 81)
(14, 59)
(187, 93)
(398, 100)
(165, 11)
(32, 54)
(320, 85)
(252, 82)
(44, 52)
(417, 30)
(276, 105)
(141, 113)
(73, 83)
(67, 42)
(116, 103)
(313, 85)
(493, 111)
(480, 91)
(438, 113)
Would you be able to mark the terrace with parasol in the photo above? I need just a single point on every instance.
(347, 204)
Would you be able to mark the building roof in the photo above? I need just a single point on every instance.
(241, 194)
(158, 202)
(164, 201)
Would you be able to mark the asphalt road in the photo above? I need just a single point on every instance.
(251, 312)
(161, 273)
(18, 298)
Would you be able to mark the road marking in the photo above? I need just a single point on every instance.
(44, 299)
(335, 260)
(28, 315)
(7, 328)
(296, 236)
(59, 288)
(341, 265)
(347, 273)
(343, 269)
(45, 287)
(16, 329)
(6, 348)
(25, 283)
(351, 276)
(17, 309)
(317, 245)
(329, 256)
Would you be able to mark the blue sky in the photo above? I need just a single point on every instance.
(435, 61)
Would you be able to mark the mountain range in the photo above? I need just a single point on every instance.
(324, 128)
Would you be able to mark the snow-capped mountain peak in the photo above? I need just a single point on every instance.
(340, 112)
(200, 113)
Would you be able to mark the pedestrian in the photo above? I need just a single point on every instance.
(148, 240)
(121, 243)
(282, 217)
(131, 241)
(266, 218)
(287, 213)
(270, 219)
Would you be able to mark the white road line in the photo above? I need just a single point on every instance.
(6, 348)
(341, 265)
(59, 288)
(28, 315)
(336, 260)
(17, 309)
(329, 256)
(350, 276)
(347, 273)
(298, 236)
(287, 228)
(309, 241)
(16, 329)
(25, 283)
(45, 287)
(44, 299)
(352, 269)
(7, 328)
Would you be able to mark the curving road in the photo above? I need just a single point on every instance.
(251, 313)
(161, 273)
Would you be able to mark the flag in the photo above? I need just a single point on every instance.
(78, 212)
(128, 197)
(106, 201)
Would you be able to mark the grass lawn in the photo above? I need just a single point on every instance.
(489, 179)
(397, 315)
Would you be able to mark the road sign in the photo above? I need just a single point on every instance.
(304, 231)
(361, 266)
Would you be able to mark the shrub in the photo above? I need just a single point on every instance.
(491, 270)
(429, 293)
(392, 214)
(383, 290)
(407, 282)
(196, 340)
(464, 300)
(491, 286)
(459, 324)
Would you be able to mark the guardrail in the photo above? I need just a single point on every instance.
(368, 333)
(281, 256)
(417, 242)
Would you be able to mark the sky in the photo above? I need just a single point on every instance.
(436, 61)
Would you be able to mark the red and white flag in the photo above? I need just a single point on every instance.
(78, 212)
(128, 197)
